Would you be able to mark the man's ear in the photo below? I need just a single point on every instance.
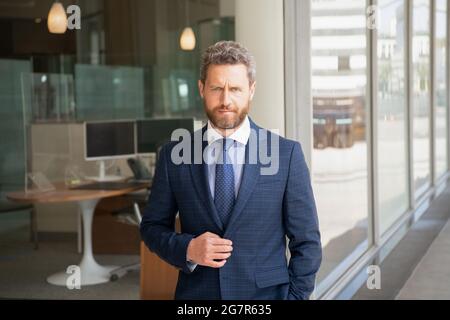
(201, 86)
(252, 90)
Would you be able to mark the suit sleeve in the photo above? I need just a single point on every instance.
(302, 227)
(158, 222)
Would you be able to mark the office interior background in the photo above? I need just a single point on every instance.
(370, 106)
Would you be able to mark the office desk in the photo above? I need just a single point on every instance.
(91, 271)
(158, 278)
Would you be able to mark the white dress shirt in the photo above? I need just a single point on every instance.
(236, 153)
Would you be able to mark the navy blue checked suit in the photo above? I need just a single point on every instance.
(268, 209)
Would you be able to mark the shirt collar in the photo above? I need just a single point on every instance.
(241, 135)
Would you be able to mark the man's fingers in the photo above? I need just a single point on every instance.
(221, 249)
(215, 264)
(211, 235)
(220, 242)
(220, 256)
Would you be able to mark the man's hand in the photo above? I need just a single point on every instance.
(207, 248)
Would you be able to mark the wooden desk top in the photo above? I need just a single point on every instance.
(64, 194)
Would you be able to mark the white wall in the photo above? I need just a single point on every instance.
(227, 8)
(259, 27)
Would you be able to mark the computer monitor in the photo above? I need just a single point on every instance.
(109, 140)
(153, 133)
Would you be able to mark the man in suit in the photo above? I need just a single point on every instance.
(234, 216)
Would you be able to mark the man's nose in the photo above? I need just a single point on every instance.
(226, 99)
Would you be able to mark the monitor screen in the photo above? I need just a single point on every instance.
(109, 139)
(153, 133)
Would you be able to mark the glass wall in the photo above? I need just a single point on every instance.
(392, 117)
(125, 62)
(440, 93)
(113, 90)
(12, 146)
(421, 108)
(341, 114)
(339, 157)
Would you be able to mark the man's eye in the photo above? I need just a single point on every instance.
(216, 89)
(235, 90)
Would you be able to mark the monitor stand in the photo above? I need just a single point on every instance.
(102, 177)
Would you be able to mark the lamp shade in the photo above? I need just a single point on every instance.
(57, 19)
(187, 39)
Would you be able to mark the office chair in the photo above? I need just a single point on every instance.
(130, 215)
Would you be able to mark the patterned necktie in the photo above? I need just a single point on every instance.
(224, 185)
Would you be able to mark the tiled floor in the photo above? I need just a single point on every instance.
(23, 270)
(431, 278)
(419, 259)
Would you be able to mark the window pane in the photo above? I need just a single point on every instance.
(339, 159)
(12, 157)
(440, 88)
(421, 94)
(392, 116)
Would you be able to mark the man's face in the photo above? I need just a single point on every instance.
(227, 94)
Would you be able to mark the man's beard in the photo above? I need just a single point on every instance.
(227, 122)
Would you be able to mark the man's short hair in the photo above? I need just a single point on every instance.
(228, 52)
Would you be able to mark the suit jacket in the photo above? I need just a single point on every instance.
(268, 209)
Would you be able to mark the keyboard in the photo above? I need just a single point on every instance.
(108, 185)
